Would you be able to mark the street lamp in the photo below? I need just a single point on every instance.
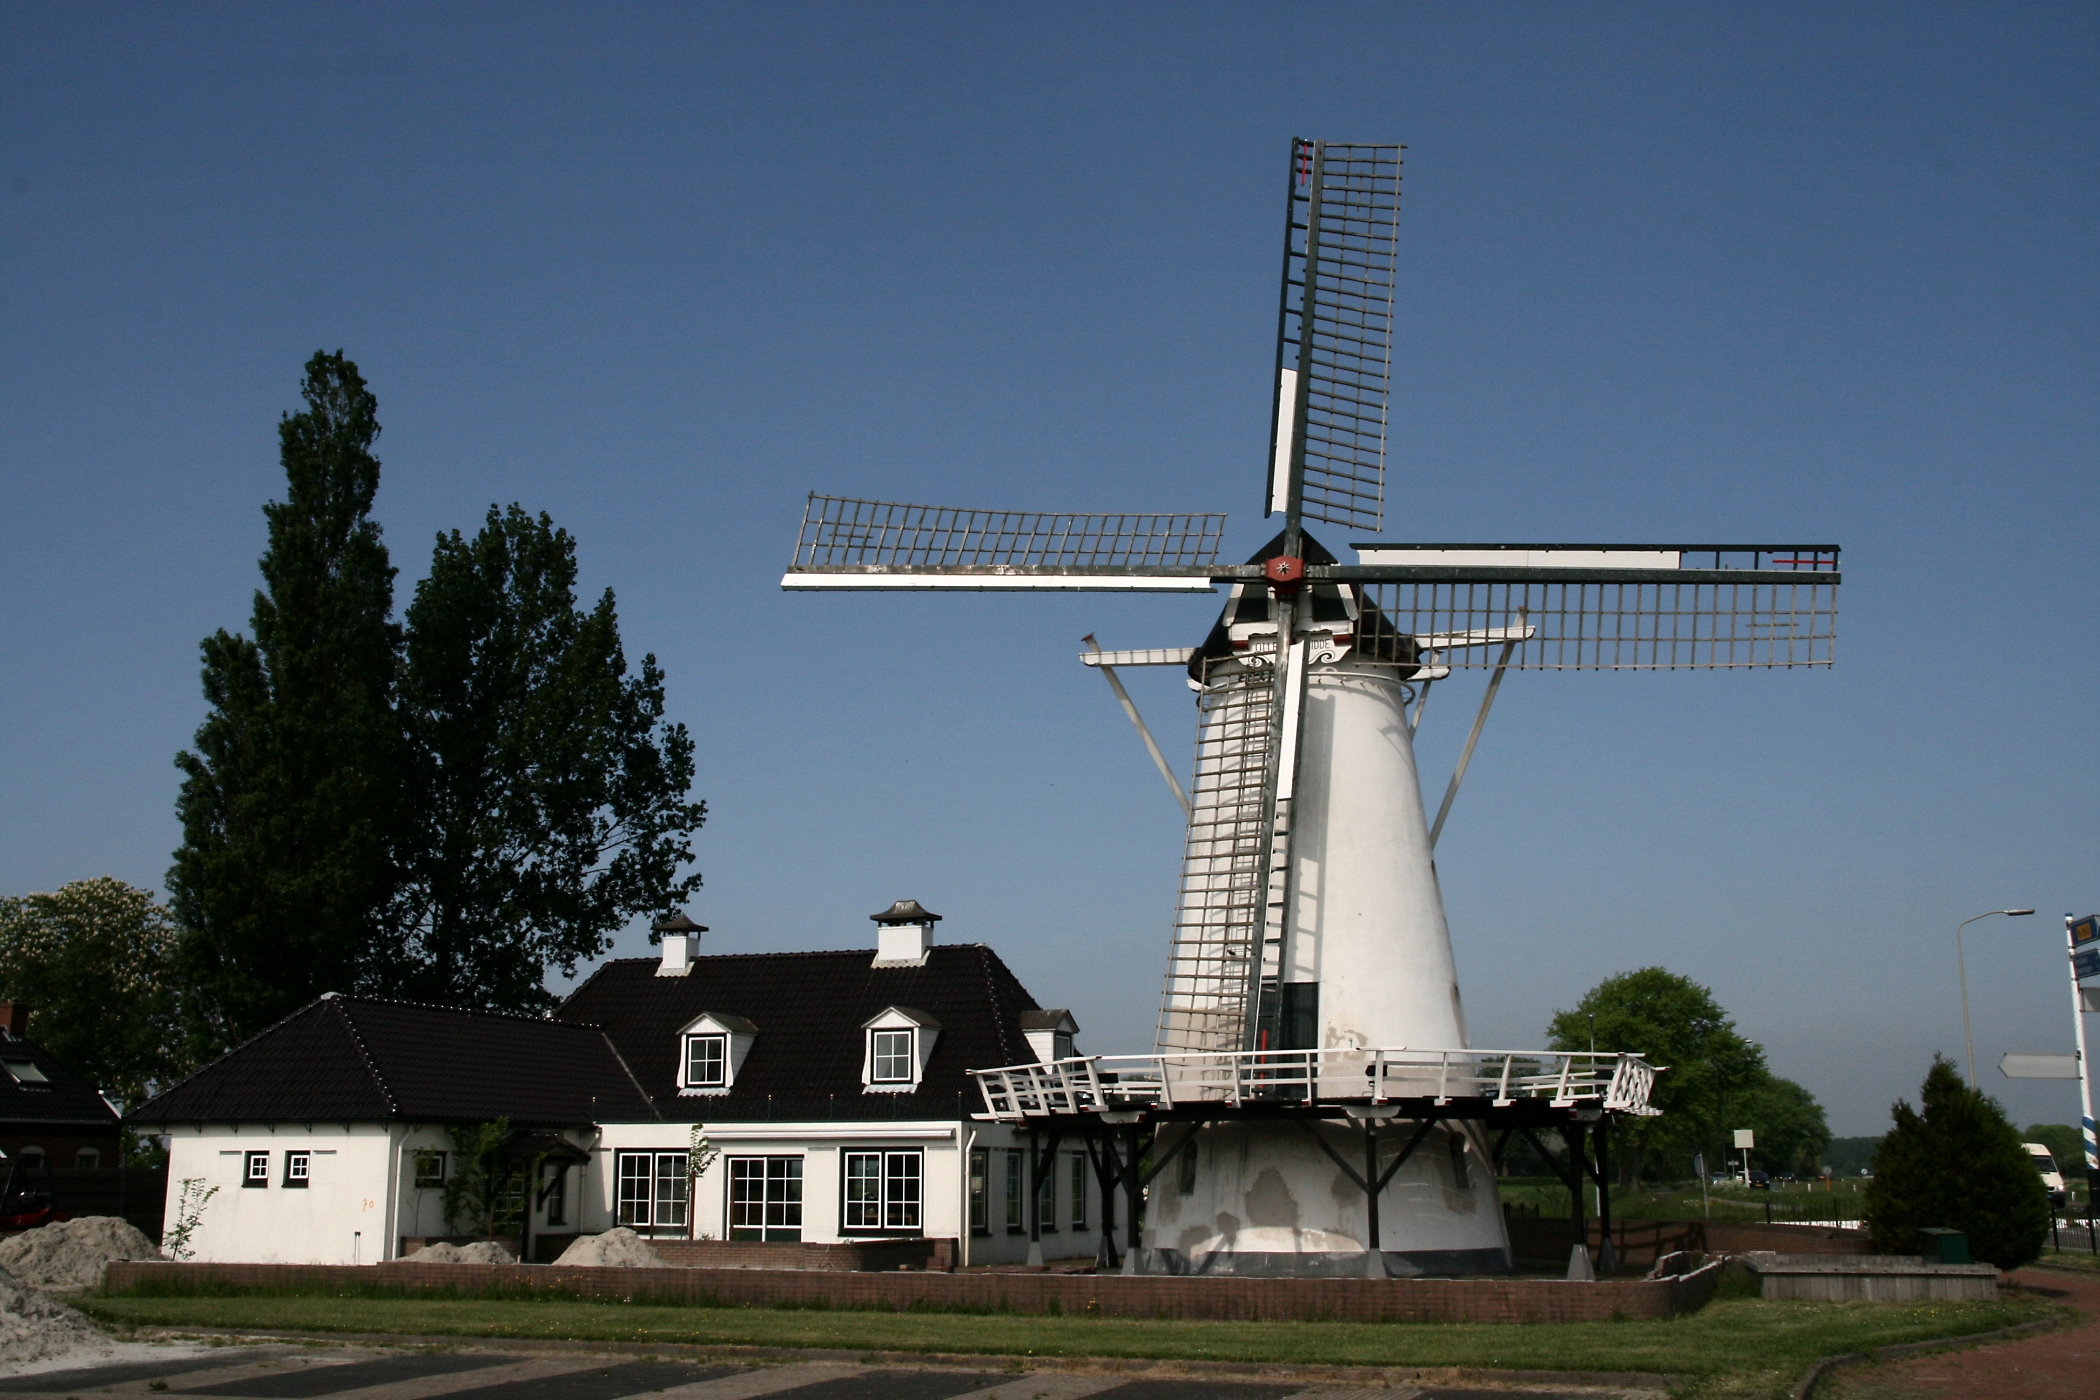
(1962, 967)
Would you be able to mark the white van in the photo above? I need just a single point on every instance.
(2051, 1177)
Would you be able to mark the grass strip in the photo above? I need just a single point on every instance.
(1734, 1349)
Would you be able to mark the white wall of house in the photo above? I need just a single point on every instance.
(341, 1215)
(362, 1198)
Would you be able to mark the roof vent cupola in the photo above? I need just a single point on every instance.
(681, 941)
(904, 934)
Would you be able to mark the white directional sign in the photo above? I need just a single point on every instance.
(2039, 1066)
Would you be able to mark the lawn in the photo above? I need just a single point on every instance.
(1732, 1349)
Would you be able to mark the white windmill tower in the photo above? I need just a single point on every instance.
(1312, 1004)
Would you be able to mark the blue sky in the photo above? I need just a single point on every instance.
(1810, 273)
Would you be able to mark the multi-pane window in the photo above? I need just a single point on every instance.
(883, 1190)
(706, 1061)
(555, 1196)
(1046, 1195)
(892, 1057)
(255, 1169)
(297, 1168)
(652, 1192)
(980, 1169)
(1078, 1191)
(765, 1198)
(1015, 1223)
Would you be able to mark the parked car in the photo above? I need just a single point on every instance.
(2051, 1177)
(1760, 1181)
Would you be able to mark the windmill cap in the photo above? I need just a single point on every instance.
(906, 911)
(678, 923)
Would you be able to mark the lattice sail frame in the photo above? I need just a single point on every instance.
(842, 532)
(1334, 334)
(1622, 626)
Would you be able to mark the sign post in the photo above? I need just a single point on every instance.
(1745, 1139)
(2083, 936)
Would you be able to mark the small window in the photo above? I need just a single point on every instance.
(706, 1061)
(430, 1169)
(980, 1169)
(1015, 1223)
(555, 1196)
(883, 1191)
(893, 1057)
(297, 1168)
(1078, 1191)
(1046, 1196)
(25, 1073)
(255, 1169)
(87, 1157)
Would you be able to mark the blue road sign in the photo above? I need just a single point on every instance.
(2086, 963)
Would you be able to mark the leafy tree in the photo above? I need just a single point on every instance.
(1847, 1156)
(1679, 1026)
(1791, 1130)
(550, 795)
(93, 961)
(2064, 1144)
(288, 801)
(482, 1187)
(1957, 1165)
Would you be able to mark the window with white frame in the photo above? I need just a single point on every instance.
(430, 1168)
(652, 1192)
(255, 1169)
(884, 1191)
(892, 1059)
(554, 1195)
(706, 1061)
(1078, 1191)
(298, 1168)
(1015, 1222)
(765, 1199)
(980, 1172)
(1046, 1194)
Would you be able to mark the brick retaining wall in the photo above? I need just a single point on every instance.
(1342, 1300)
(880, 1256)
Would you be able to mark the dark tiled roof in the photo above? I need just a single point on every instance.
(356, 1059)
(809, 1009)
(65, 1097)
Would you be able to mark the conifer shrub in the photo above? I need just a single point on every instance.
(1956, 1165)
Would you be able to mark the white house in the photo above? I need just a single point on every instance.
(829, 1092)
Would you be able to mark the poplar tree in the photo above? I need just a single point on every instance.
(289, 798)
(549, 796)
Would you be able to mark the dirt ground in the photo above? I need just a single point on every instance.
(2059, 1365)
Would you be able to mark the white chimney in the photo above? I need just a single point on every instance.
(681, 944)
(904, 934)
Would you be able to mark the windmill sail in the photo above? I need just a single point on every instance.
(1334, 335)
(849, 543)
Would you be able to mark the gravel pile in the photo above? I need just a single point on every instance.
(71, 1253)
(33, 1327)
(615, 1249)
(479, 1252)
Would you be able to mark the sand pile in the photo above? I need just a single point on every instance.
(615, 1249)
(33, 1327)
(479, 1252)
(71, 1253)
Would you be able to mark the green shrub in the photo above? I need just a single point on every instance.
(1958, 1165)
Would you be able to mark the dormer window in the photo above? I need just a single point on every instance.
(898, 1044)
(711, 1050)
(707, 1061)
(895, 1060)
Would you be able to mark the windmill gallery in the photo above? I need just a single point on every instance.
(1311, 1105)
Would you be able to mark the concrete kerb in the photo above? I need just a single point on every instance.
(1805, 1388)
(991, 1363)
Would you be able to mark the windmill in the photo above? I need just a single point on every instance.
(1310, 987)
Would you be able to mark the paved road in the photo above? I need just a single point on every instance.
(375, 1373)
(2059, 1365)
